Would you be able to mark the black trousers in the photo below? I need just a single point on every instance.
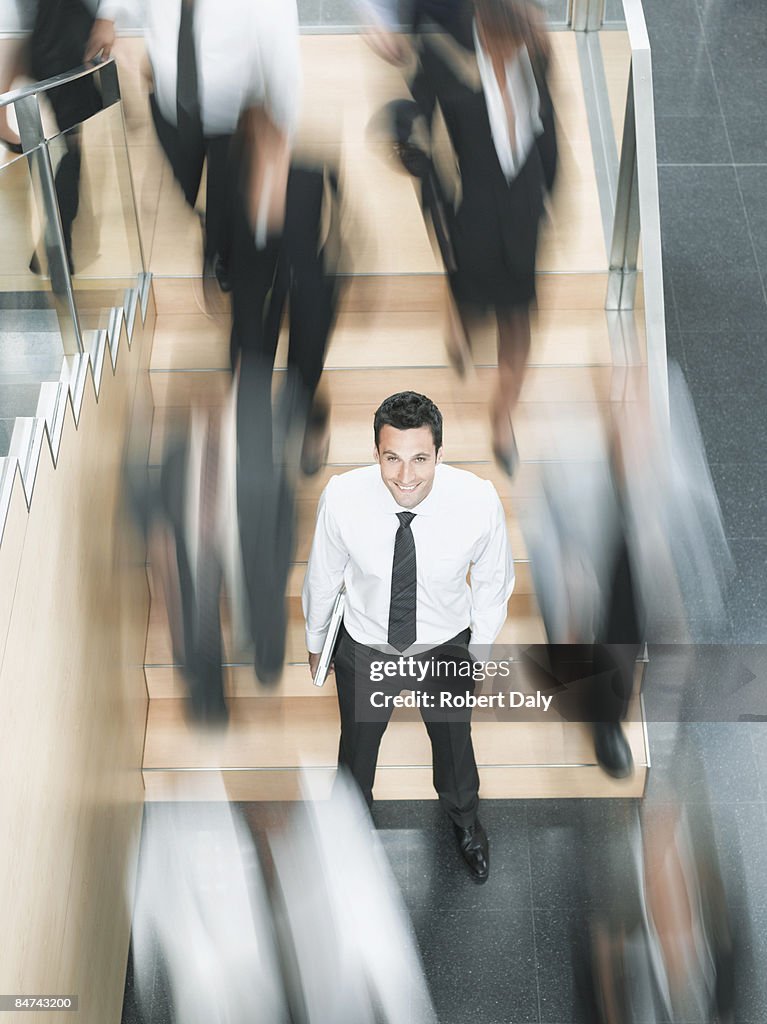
(187, 150)
(455, 774)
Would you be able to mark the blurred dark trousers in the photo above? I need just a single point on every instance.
(455, 774)
(615, 657)
(199, 647)
(600, 676)
(187, 149)
(265, 515)
(289, 271)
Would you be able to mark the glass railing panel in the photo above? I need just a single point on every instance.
(636, 278)
(616, 58)
(614, 13)
(556, 11)
(37, 328)
(98, 213)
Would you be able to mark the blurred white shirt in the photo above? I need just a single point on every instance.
(522, 94)
(247, 55)
(459, 529)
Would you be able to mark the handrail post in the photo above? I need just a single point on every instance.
(638, 187)
(624, 247)
(586, 15)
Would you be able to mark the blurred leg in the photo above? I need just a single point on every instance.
(513, 353)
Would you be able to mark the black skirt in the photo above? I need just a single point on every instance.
(494, 233)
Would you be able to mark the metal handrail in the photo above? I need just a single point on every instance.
(52, 83)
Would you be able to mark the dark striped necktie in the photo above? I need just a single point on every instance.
(187, 93)
(402, 628)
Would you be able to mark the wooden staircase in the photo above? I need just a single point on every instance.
(389, 338)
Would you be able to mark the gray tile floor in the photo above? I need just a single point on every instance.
(30, 352)
(708, 58)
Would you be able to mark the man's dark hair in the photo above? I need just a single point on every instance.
(408, 411)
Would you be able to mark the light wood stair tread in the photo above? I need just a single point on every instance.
(275, 732)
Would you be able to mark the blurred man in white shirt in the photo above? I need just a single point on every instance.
(218, 65)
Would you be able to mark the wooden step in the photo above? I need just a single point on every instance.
(544, 431)
(396, 293)
(572, 337)
(165, 681)
(277, 735)
(306, 512)
(498, 782)
(522, 626)
(367, 387)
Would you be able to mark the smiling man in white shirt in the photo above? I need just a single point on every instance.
(401, 537)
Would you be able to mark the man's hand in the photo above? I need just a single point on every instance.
(314, 660)
(101, 40)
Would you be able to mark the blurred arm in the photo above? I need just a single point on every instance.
(102, 37)
(272, 115)
(268, 178)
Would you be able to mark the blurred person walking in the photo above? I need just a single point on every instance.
(482, 76)
(212, 63)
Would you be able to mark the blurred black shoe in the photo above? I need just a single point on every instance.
(612, 750)
(12, 147)
(506, 454)
(270, 648)
(475, 850)
(314, 452)
(221, 270)
(34, 264)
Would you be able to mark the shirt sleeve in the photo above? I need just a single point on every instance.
(111, 10)
(324, 573)
(492, 577)
(276, 83)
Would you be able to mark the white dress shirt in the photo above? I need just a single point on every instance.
(522, 94)
(459, 529)
(247, 55)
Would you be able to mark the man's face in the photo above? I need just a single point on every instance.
(408, 460)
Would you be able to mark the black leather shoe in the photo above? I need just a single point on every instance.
(612, 749)
(475, 850)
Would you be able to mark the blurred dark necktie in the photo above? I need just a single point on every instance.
(187, 91)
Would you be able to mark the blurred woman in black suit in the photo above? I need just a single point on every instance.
(481, 85)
